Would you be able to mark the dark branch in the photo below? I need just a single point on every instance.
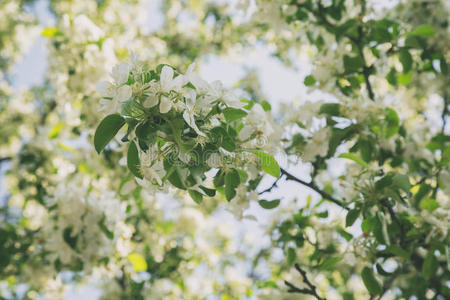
(311, 288)
(322, 19)
(274, 185)
(314, 187)
(5, 159)
(395, 218)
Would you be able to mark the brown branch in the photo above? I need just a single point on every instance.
(270, 188)
(357, 41)
(395, 218)
(5, 159)
(314, 187)
(311, 290)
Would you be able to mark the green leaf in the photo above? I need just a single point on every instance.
(329, 263)
(424, 30)
(175, 178)
(392, 122)
(430, 265)
(291, 256)
(109, 234)
(147, 133)
(399, 251)
(368, 225)
(447, 255)
(133, 162)
(107, 130)
(309, 80)
(138, 262)
(353, 64)
(429, 204)
(131, 125)
(49, 32)
(232, 180)
(69, 239)
(371, 283)
(243, 176)
(402, 181)
(423, 191)
(354, 157)
(347, 236)
(232, 114)
(268, 163)
(365, 149)
(404, 79)
(266, 105)
(391, 77)
(196, 196)
(351, 217)
(331, 109)
(269, 204)
(406, 60)
(385, 181)
(207, 191)
(322, 214)
(381, 271)
(384, 229)
(219, 179)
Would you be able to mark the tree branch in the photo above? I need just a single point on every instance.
(314, 187)
(311, 290)
(395, 218)
(274, 185)
(357, 41)
(5, 159)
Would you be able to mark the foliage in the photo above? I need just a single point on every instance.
(124, 184)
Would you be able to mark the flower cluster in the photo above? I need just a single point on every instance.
(180, 127)
(85, 224)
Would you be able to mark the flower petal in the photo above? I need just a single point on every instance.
(150, 101)
(123, 93)
(165, 105)
(166, 78)
(120, 73)
(188, 116)
(106, 89)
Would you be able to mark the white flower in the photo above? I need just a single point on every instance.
(165, 105)
(154, 173)
(214, 160)
(115, 93)
(189, 114)
(168, 84)
(256, 120)
(106, 89)
(318, 145)
(86, 30)
(120, 73)
(152, 94)
(118, 94)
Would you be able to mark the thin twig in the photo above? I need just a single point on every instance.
(314, 187)
(5, 159)
(311, 288)
(395, 218)
(357, 41)
(274, 185)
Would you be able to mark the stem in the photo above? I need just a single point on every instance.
(311, 290)
(314, 187)
(274, 185)
(5, 159)
(357, 41)
(395, 218)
